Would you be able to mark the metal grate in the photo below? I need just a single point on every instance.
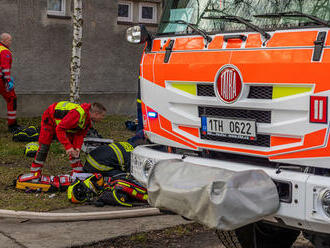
(257, 115)
(205, 90)
(256, 92)
(261, 92)
(261, 140)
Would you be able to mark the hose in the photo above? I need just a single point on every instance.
(61, 217)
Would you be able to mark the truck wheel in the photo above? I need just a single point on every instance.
(258, 235)
(318, 240)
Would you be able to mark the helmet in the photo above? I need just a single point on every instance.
(31, 149)
(78, 192)
(82, 191)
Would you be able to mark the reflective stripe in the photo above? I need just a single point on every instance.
(6, 70)
(7, 77)
(97, 165)
(11, 112)
(73, 161)
(145, 197)
(35, 169)
(121, 202)
(11, 117)
(77, 168)
(138, 100)
(39, 162)
(119, 155)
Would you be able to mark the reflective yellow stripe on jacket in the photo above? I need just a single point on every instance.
(119, 155)
(97, 165)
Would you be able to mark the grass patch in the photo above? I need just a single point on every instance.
(13, 163)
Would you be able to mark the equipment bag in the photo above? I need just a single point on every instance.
(122, 191)
(28, 134)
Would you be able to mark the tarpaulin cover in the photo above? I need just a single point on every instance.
(216, 197)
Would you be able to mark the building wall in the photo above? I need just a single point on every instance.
(42, 51)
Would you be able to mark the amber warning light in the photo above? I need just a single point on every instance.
(318, 109)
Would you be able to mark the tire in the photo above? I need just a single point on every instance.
(258, 235)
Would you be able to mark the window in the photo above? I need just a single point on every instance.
(147, 12)
(125, 11)
(56, 7)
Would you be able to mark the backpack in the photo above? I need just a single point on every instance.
(122, 190)
(28, 134)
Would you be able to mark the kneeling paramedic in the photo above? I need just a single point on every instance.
(70, 123)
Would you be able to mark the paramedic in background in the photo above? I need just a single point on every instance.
(70, 123)
(6, 81)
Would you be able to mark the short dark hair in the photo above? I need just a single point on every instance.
(98, 107)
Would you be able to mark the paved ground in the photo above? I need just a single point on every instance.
(22, 233)
(18, 233)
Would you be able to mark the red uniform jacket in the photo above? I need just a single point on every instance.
(5, 63)
(69, 122)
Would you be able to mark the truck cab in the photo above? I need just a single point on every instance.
(243, 85)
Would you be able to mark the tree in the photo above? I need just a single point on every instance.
(76, 51)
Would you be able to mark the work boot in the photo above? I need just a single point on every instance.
(15, 128)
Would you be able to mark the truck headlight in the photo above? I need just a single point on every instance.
(325, 201)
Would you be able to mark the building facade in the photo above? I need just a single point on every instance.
(42, 43)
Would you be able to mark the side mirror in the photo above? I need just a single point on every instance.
(138, 35)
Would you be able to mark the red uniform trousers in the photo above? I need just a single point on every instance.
(11, 99)
(47, 133)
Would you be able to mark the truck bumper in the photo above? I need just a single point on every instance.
(303, 210)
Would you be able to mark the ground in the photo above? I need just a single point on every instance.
(184, 236)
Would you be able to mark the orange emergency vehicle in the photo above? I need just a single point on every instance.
(244, 84)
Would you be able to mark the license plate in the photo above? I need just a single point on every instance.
(231, 128)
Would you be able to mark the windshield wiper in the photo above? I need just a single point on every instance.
(207, 38)
(294, 14)
(246, 22)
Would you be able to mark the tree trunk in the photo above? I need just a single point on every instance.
(76, 51)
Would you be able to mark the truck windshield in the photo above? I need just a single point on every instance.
(262, 13)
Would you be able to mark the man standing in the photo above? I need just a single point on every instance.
(70, 123)
(6, 83)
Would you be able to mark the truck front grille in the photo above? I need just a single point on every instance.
(261, 92)
(260, 116)
(255, 92)
(205, 90)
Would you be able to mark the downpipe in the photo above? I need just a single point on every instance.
(63, 217)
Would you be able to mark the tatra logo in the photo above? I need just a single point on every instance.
(228, 84)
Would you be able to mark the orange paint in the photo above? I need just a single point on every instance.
(293, 39)
(253, 41)
(216, 43)
(191, 43)
(147, 67)
(234, 43)
(191, 130)
(277, 141)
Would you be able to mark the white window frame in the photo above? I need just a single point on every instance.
(58, 13)
(130, 11)
(154, 12)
